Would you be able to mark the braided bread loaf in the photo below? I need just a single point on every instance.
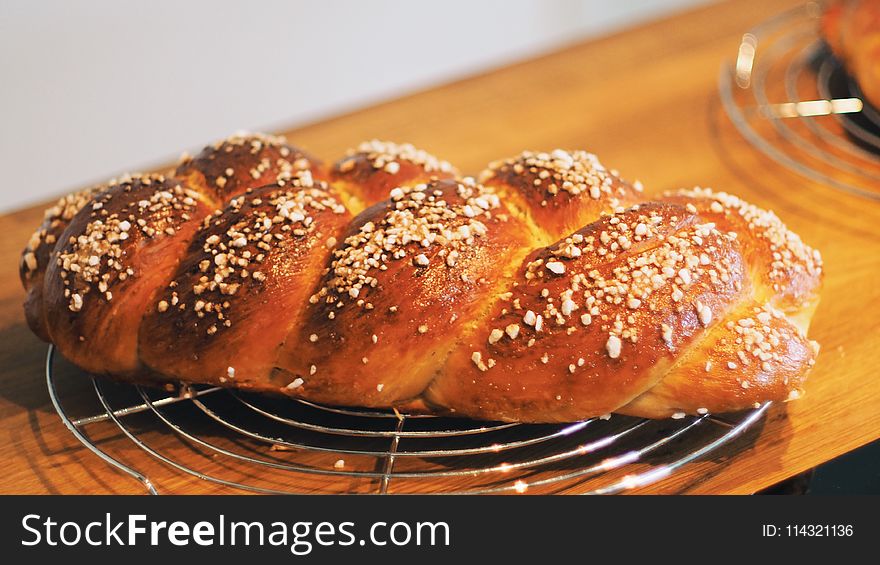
(548, 291)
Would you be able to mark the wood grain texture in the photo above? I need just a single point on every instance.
(645, 101)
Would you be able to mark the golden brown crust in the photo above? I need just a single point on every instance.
(760, 351)
(244, 282)
(755, 355)
(784, 271)
(230, 167)
(410, 274)
(561, 191)
(38, 252)
(368, 173)
(440, 298)
(112, 258)
(596, 319)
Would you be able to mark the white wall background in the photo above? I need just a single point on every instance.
(94, 88)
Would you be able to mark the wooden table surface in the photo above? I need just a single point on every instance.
(646, 102)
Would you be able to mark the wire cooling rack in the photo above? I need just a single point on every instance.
(277, 445)
(789, 97)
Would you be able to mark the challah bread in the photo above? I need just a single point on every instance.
(852, 30)
(551, 291)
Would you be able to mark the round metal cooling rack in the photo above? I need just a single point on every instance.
(790, 98)
(278, 445)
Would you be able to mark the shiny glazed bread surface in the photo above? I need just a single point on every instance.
(551, 290)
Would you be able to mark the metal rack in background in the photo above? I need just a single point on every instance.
(790, 98)
(268, 445)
